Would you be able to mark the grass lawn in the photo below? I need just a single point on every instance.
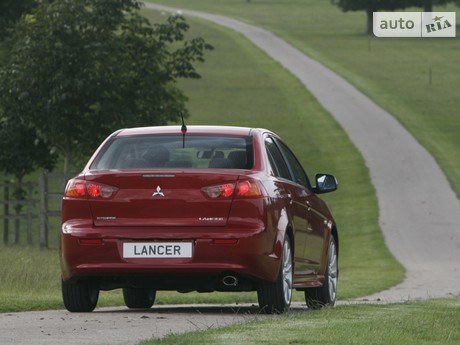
(241, 86)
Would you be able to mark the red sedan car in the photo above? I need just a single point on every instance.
(202, 208)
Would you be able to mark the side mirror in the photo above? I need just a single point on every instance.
(325, 183)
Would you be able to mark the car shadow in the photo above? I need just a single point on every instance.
(245, 309)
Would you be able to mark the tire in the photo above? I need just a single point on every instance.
(326, 295)
(275, 298)
(139, 298)
(79, 297)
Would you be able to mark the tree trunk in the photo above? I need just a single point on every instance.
(67, 163)
(6, 212)
(18, 197)
(370, 21)
(427, 5)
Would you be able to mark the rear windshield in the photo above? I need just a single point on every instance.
(174, 151)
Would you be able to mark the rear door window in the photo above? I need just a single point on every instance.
(279, 166)
(298, 173)
(284, 163)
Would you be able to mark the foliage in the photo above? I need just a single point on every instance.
(20, 151)
(79, 69)
(11, 11)
(386, 5)
(428, 4)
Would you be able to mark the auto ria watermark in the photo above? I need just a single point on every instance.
(414, 24)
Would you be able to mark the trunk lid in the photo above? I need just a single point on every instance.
(160, 199)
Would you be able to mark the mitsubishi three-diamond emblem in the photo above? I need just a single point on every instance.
(158, 192)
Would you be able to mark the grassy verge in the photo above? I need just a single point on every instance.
(415, 323)
(242, 86)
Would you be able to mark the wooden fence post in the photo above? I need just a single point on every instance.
(43, 189)
(6, 213)
(30, 204)
(17, 206)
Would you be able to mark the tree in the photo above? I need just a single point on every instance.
(428, 4)
(11, 11)
(21, 154)
(371, 6)
(79, 69)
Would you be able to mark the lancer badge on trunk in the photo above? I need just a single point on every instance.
(158, 192)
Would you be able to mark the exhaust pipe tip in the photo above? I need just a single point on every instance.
(230, 281)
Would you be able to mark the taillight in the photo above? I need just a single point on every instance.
(75, 189)
(219, 191)
(82, 189)
(248, 189)
(245, 188)
(94, 190)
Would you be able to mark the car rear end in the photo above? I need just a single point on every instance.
(169, 210)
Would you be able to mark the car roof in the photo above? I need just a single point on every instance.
(223, 130)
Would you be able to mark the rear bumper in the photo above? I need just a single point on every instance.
(254, 257)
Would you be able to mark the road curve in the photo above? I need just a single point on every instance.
(419, 216)
(419, 212)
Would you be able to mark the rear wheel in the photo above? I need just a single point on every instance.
(326, 295)
(275, 298)
(139, 298)
(79, 296)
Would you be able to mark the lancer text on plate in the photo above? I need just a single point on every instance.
(157, 250)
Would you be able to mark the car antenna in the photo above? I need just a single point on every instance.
(183, 130)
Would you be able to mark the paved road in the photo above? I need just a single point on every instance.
(419, 215)
(116, 325)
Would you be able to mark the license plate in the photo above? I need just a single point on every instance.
(157, 250)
